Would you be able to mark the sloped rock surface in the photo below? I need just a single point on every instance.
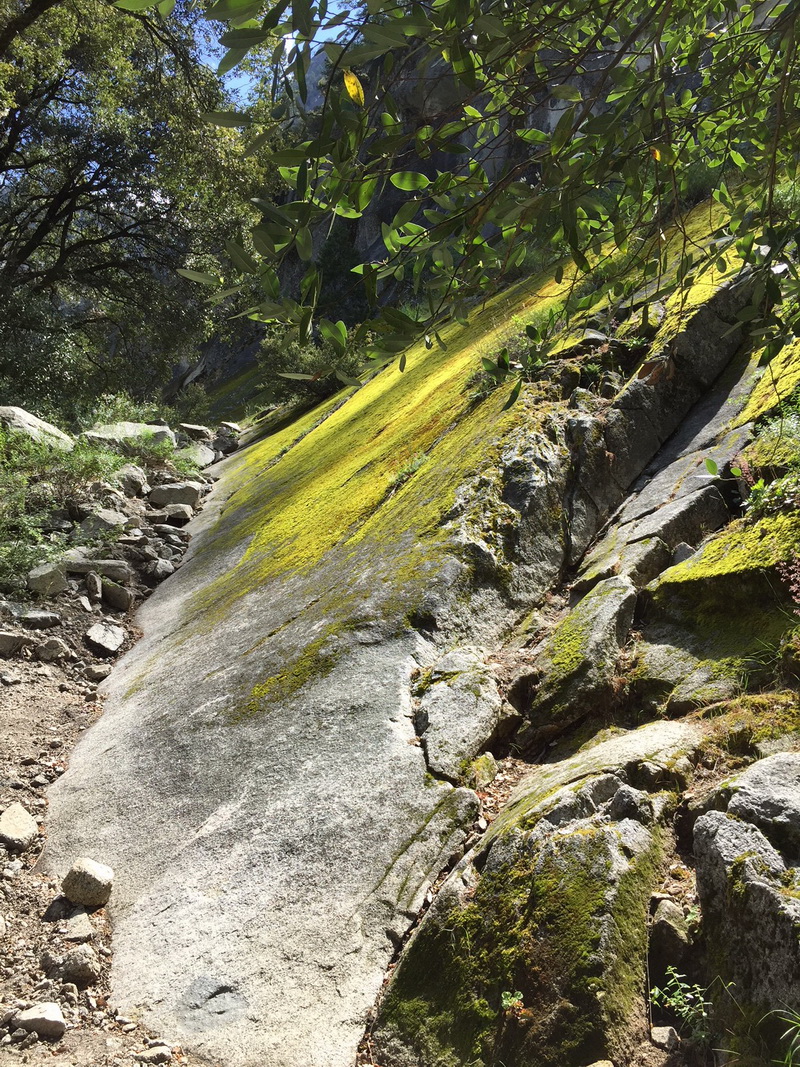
(269, 706)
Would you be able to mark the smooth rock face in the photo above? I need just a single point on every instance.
(88, 882)
(18, 829)
(23, 422)
(45, 1020)
(262, 859)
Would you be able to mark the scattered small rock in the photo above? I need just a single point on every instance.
(81, 966)
(177, 493)
(11, 643)
(52, 650)
(79, 927)
(158, 1054)
(40, 620)
(48, 579)
(103, 521)
(665, 1037)
(106, 638)
(178, 514)
(196, 432)
(98, 672)
(88, 882)
(44, 1019)
(94, 586)
(18, 829)
(132, 479)
(117, 596)
(159, 569)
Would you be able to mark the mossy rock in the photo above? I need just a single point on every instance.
(553, 906)
(575, 666)
(563, 921)
(716, 624)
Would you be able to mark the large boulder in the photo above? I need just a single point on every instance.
(116, 434)
(534, 951)
(13, 418)
(747, 859)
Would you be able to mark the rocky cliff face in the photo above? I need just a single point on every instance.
(405, 579)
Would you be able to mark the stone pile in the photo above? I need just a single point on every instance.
(126, 538)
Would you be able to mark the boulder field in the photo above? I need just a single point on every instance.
(289, 773)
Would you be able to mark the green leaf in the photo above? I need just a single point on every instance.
(736, 472)
(241, 260)
(356, 382)
(513, 395)
(246, 38)
(409, 181)
(566, 92)
(224, 10)
(166, 7)
(335, 333)
(305, 246)
(198, 276)
(135, 5)
(711, 466)
(230, 119)
(232, 58)
(288, 157)
(389, 35)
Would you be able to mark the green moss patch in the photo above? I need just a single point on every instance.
(780, 379)
(541, 926)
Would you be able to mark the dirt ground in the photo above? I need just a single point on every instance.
(44, 708)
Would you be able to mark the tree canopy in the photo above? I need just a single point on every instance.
(490, 125)
(109, 176)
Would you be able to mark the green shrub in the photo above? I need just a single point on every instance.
(282, 354)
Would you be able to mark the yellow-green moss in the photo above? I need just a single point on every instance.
(739, 550)
(780, 379)
(737, 726)
(533, 926)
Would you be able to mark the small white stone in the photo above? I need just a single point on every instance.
(44, 1019)
(18, 829)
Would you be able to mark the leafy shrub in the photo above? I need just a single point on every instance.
(688, 1004)
(36, 481)
(781, 495)
(317, 366)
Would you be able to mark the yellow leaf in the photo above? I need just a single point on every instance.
(354, 88)
(656, 154)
